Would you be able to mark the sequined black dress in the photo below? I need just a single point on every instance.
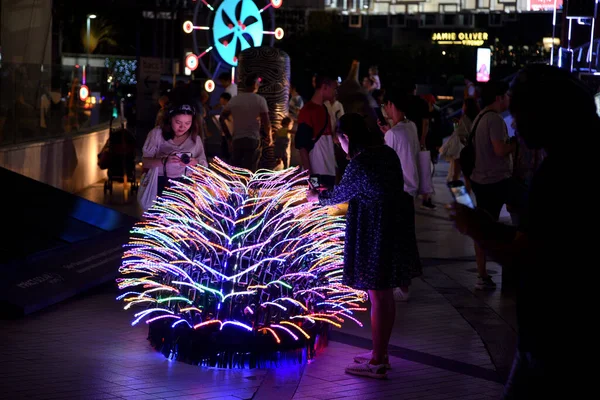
(380, 247)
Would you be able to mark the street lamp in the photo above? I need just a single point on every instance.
(89, 17)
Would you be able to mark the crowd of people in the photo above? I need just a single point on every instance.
(238, 129)
(381, 171)
(523, 173)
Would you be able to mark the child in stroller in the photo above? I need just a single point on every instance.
(118, 158)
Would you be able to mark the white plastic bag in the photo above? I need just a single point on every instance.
(148, 189)
(425, 178)
(451, 149)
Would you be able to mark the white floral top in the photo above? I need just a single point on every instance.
(157, 147)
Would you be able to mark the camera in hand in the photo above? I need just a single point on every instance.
(185, 158)
(314, 183)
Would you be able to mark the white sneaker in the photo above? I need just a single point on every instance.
(367, 357)
(401, 295)
(366, 369)
(485, 283)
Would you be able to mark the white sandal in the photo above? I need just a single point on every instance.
(367, 357)
(366, 369)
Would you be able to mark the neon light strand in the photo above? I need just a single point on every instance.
(306, 335)
(227, 247)
(208, 5)
(272, 333)
(287, 330)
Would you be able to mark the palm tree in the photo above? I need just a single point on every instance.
(102, 33)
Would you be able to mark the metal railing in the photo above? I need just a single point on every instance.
(583, 58)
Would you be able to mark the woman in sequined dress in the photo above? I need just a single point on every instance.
(380, 250)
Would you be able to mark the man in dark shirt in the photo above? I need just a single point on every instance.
(552, 251)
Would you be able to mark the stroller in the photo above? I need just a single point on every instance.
(118, 158)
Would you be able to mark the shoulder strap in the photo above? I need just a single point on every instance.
(475, 124)
(325, 126)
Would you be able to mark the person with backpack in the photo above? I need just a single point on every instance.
(314, 136)
(486, 161)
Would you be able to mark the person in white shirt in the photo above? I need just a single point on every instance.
(250, 114)
(336, 111)
(228, 84)
(404, 139)
(314, 137)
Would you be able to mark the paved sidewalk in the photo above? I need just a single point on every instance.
(449, 342)
(324, 379)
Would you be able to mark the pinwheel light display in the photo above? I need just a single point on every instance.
(231, 267)
(232, 26)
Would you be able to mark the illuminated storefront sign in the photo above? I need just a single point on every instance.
(484, 64)
(460, 38)
(544, 5)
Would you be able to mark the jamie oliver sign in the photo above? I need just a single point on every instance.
(460, 38)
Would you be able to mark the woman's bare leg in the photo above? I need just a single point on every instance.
(383, 314)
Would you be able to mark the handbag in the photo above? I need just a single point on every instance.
(452, 148)
(148, 188)
(467, 154)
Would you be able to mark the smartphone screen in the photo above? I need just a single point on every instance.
(314, 182)
(460, 194)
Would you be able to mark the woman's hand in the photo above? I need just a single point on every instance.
(464, 217)
(173, 159)
(383, 128)
(312, 196)
(194, 162)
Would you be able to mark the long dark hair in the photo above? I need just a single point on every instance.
(183, 109)
(471, 108)
(359, 136)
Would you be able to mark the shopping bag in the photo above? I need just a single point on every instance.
(452, 148)
(148, 188)
(425, 178)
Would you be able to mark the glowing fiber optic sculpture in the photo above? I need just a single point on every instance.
(230, 267)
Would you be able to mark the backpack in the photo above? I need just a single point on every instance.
(304, 134)
(467, 154)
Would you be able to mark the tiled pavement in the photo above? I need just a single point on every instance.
(448, 343)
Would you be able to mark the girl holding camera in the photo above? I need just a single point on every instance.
(172, 147)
